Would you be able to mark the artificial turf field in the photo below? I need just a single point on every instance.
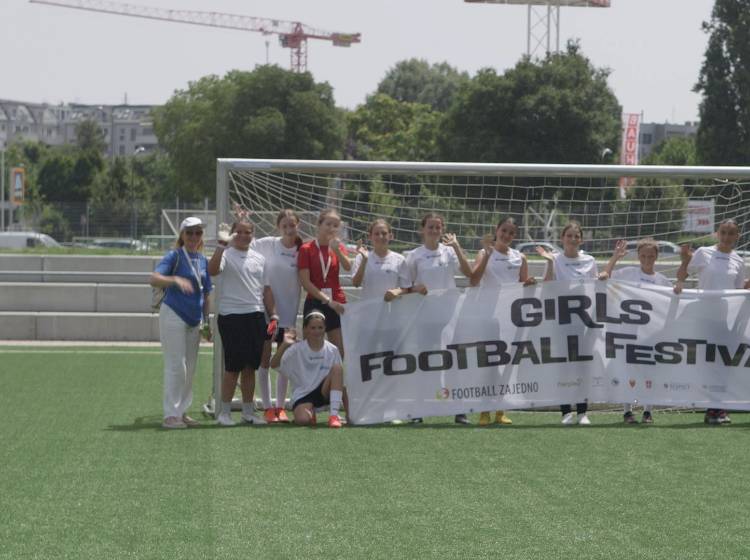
(87, 472)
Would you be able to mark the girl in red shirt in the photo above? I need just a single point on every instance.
(318, 265)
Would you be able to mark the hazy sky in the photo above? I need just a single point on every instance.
(654, 48)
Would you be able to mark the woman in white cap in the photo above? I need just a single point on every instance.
(183, 274)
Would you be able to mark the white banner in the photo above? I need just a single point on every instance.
(699, 216)
(558, 342)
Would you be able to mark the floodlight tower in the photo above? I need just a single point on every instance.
(543, 23)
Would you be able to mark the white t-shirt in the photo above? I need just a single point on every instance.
(306, 368)
(382, 274)
(636, 275)
(582, 266)
(435, 269)
(717, 270)
(281, 270)
(242, 280)
(501, 268)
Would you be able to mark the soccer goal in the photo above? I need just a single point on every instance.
(673, 205)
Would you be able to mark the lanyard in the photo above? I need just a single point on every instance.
(192, 267)
(325, 267)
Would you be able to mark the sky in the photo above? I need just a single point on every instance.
(653, 48)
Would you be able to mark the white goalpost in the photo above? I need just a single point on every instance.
(671, 204)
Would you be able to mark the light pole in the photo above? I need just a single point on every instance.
(134, 225)
(2, 189)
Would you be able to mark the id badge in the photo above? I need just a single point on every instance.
(328, 292)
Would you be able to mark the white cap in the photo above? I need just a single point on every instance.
(191, 222)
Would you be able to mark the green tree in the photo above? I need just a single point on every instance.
(416, 81)
(724, 82)
(677, 150)
(557, 110)
(266, 113)
(386, 129)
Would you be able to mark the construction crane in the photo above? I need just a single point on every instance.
(544, 20)
(292, 34)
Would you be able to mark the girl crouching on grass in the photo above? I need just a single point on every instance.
(571, 264)
(648, 252)
(314, 367)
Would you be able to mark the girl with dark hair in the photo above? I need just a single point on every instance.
(281, 264)
(314, 366)
(380, 272)
(318, 264)
(718, 268)
(497, 264)
(434, 265)
(244, 299)
(571, 264)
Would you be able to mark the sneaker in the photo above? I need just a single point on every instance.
(484, 419)
(334, 421)
(270, 416)
(461, 419)
(188, 421)
(253, 419)
(281, 415)
(711, 417)
(501, 418)
(647, 418)
(724, 417)
(417, 420)
(583, 420)
(224, 419)
(568, 419)
(173, 423)
(629, 418)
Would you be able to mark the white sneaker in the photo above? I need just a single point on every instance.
(253, 419)
(583, 420)
(225, 419)
(568, 419)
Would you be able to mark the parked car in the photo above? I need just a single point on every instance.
(117, 243)
(529, 247)
(25, 239)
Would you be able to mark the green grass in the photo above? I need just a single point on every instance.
(88, 473)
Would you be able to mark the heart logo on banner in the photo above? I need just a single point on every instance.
(632, 383)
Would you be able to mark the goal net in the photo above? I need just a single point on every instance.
(673, 205)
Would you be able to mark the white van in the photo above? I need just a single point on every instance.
(25, 239)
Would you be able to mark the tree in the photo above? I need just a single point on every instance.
(724, 82)
(557, 110)
(386, 129)
(677, 150)
(266, 113)
(415, 81)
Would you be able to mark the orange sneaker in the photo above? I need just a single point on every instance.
(270, 415)
(334, 421)
(281, 415)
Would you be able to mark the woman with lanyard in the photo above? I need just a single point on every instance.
(183, 273)
(571, 264)
(244, 298)
(434, 265)
(718, 268)
(498, 264)
(314, 366)
(281, 263)
(318, 265)
(380, 273)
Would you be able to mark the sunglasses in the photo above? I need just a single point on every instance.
(196, 232)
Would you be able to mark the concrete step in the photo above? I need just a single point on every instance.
(131, 327)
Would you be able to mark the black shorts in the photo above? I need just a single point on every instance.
(279, 338)
(333, 321)
(314, 397)
(242, 337)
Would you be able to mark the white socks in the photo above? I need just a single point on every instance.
(281, 384)
(263, 379)
(248, 409)
(336, 397)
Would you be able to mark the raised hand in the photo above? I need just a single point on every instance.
(450, 240)
(361, 249)
(488, 242)
(621, 249)
(546, 255)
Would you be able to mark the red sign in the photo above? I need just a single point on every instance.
(629, 150)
